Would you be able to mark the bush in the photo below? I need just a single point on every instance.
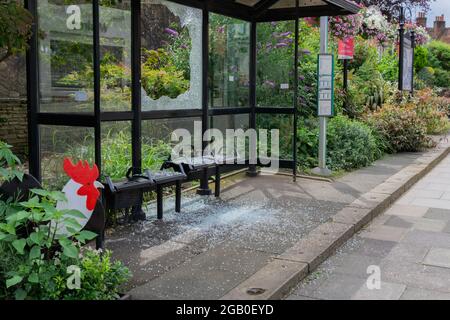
(439, 55)
(36, 261)
(401, 128)
(432, 110)
(351, 144)
(420, 58)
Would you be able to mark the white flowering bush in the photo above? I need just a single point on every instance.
(374, 24)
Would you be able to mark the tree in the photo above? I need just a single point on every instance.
(388, 7)
(15, 28)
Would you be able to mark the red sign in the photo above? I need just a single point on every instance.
(346, 48)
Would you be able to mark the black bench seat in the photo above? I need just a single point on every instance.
(129, 193)
(164, 178)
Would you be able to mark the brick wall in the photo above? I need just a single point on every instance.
(13, 109)
(13, 124)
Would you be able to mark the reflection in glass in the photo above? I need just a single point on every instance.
(157, 139)
(229, 57)
(235, 122)
(115, 55)
(171, 56)
(285, 124)
(275, 64)
(65, 55)
(58, 142)
(116, 149)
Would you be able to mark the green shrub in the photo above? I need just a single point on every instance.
(420, 58)
(351, 144)
(388, 67)
(35, 261)
(441, 78)
(401, 128)
(439, 55)
(432, 110)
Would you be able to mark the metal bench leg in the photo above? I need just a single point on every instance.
(100, 240)
(217, 182)
(204, 189)
(178, 196)
(159, 201)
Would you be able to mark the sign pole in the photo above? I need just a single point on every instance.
(413, 46)
(401, 49)
(322, 169)
(345, 84)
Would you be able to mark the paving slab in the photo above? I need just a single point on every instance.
(427, 239)
(387, 291)
(407, 210)
(338, 287)
(417, 223)
(385, 233)
(438, 214)
(438, 257)
(412, 293)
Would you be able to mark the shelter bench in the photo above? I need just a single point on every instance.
(130, 192)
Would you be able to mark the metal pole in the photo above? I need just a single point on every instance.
(97, 91)
(204, 186)
(413, 46)
(33, 95)
(136, 125)
(252, 172)
(297, 25)
(345, 84)
(322, 169)
(400, 50)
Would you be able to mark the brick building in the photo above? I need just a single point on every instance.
(439, 31)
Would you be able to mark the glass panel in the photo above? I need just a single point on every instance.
(229, 62)
(116, 149)
(238, 121)
(275, 64)
(115, 55)
(156, 139)
(58, 142)
(171, 56)
(285, 124)
(65, 55)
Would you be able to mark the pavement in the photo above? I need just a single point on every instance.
(402, 254)
(214, 245)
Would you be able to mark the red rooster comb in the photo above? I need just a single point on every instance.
(83, 174)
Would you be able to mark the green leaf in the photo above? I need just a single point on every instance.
(20, 294)
(40, 192)
(70, 251)
(33, 278)
(36, 237)
(72, 223)
(57, 196)
(8, 228)
(13, 281)
(19, 245)
(86, 235)
(74, 213)
(35, 253)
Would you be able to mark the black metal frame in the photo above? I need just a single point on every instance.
(258, 13)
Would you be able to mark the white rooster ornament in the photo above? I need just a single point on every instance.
(81, 191)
